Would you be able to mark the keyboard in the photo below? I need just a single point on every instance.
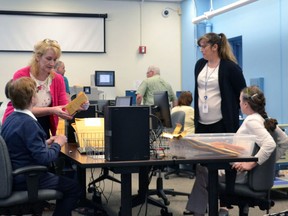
(81, 150)
(91, 150)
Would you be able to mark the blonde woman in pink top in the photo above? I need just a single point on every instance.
(50, 86)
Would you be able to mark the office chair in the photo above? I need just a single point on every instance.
(22, 202)
(186, 169)
(256, 192)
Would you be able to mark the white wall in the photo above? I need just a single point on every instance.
(162, 36)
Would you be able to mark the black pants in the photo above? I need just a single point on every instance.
(217, 127)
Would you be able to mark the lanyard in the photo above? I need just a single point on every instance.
(206, 80)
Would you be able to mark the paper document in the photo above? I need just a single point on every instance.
(89, 131)
(75, 104)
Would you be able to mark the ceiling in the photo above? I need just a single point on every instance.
(152, 0)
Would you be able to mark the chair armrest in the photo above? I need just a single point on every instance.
(32, 174)
(30, 169)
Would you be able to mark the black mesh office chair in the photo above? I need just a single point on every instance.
(182, 169)
(22, 202)
(256, 192)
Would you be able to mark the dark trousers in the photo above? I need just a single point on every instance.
(70, 188)
(217, 127)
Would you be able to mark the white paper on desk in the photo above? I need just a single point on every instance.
(90, 122)
(89, 131)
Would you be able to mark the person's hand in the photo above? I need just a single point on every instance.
(60, 139)
(61, 112)
(85, 106)
(50, 140)
(244, 166)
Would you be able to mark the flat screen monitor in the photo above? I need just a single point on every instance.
(105, 78)
(123, 101)
(162, 108)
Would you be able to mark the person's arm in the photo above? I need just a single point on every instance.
(36, 144)
(58, 91)
(55, 110)
(172, 95)
(141, 92)
(59, 139)
(139, 99)
(236, 77)
(67, 88)
(263, 139)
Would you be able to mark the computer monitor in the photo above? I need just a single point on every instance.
(105, 78)
(161, 108)
(123, 101)
(100, 106)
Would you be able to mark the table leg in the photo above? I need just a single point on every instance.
(126, 195)
(213, 191)
(81, 175)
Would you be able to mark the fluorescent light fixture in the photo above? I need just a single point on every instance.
(212, 13)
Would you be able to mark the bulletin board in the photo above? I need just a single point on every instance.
(75, 32)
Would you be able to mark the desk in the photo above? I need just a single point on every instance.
(126, 168)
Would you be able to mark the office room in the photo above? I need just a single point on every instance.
(170, 42)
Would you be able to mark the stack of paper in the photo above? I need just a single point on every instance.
(217, 147)
(89, 132)
(184, 143)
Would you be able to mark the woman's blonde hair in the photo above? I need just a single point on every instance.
(40, 49)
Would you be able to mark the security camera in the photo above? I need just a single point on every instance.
(165, 13)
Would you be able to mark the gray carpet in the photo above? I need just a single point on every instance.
(111, 197)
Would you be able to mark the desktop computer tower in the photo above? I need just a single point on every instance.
(127, 133)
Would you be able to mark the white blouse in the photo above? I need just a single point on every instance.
(44, 98)
(254, 124)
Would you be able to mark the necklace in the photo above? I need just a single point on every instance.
(207, 76)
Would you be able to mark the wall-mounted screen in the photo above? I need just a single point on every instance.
(105, 78)
(75, 32)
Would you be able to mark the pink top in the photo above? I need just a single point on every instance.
(58, 95)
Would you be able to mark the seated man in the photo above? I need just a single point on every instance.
(27, 145)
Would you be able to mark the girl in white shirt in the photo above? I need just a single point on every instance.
(257, 122)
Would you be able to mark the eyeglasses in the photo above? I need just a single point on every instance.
(204, 46)
(48, 41)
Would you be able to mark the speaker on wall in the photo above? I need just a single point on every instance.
(127, 133)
